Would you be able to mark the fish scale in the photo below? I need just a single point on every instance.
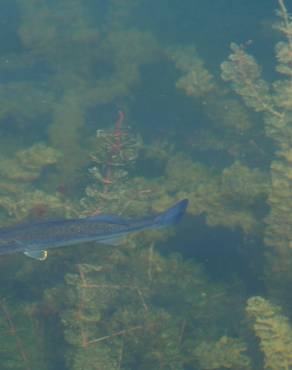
(34, 239)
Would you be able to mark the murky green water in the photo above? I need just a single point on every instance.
(125, 107)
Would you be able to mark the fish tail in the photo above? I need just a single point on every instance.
(172, 215)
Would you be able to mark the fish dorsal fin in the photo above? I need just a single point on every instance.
(113, 219)
(37, 255)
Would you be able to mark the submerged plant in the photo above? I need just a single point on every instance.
(21, 338)
(131, 313)
(116, 152)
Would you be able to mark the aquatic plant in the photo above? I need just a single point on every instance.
(196, 80)
(227, 353)
(81, 62)
(223, 111)
(22, 341)
(18, 197)
(133, 308)
(274, 332)
(130, 312)
(244, 74)
(274, 102)
(116, 152)
(227, 198)
(242, 185)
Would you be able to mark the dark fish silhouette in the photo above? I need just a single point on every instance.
(34, 239)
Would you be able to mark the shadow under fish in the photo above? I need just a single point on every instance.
(35, 239)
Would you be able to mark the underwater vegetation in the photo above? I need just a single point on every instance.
(70, 92)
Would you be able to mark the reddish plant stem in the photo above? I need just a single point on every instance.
(115, 149)
(13, 332)
(117, 145)
(121, 332)
(84, 338)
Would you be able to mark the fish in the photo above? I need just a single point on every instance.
(34, 239)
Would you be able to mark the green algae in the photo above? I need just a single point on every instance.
(135, 306)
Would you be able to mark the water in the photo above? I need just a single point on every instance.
(125, 107)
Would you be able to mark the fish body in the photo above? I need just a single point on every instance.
(35, 239)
